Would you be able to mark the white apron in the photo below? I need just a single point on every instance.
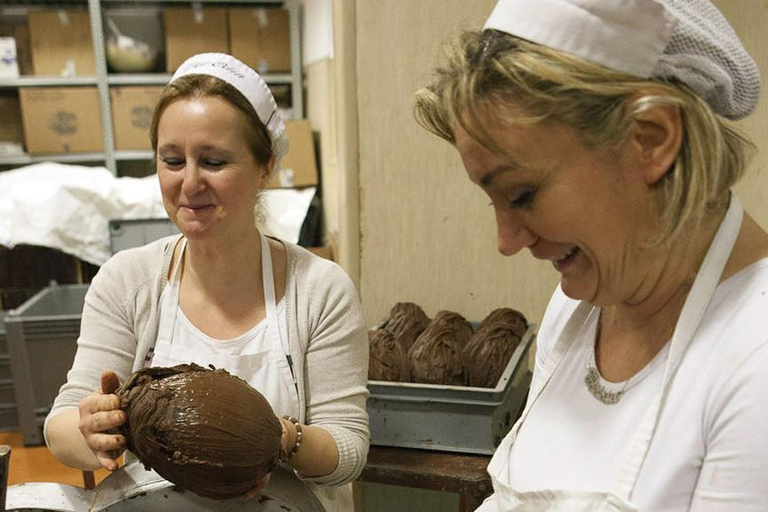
(620, 498)
(264, 362)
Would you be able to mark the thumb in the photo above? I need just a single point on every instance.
(109, 382)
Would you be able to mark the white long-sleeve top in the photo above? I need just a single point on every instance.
(328, 343)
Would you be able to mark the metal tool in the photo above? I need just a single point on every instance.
(132, 488)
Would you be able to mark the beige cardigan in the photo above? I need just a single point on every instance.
(326, 332)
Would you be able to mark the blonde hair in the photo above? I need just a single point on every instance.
(526, 83)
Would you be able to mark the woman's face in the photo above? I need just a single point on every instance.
(208, 175)
(585, 210)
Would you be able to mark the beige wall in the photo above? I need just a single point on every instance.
(749, 18)
(321, 112)
(427, 234)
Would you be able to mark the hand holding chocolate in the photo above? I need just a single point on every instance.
(207, 431)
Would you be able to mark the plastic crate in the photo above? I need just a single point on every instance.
(7, 397)
(42, 340)
(124, 234)
(451, 418)
(3, 342)
(8, 419)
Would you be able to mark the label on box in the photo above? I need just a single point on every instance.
(9, 64)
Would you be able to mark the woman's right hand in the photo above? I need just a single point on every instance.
(100, 414)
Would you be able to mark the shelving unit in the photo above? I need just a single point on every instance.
(104, 80)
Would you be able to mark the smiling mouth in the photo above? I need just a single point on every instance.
(561, 261)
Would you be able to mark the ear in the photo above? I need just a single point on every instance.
(658, 137)
(265, 172)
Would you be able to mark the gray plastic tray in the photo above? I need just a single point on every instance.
(42, 340)
(451, 418)
(124, 234)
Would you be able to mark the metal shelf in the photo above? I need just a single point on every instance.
(134, 155)
(47, 81)
(164, 78)
(62, 157)
(251, 2)
(103, 80)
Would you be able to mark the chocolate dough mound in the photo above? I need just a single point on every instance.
(488, 352)
(388, 360)
(436, 355)
(458, 323)
(508, 315)
(206, 431)
(406, 321)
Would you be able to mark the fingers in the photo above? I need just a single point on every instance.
(97, 403)
(109, 382)
(101, 421)
(108, 460)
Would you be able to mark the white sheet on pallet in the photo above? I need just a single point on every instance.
(68, 207)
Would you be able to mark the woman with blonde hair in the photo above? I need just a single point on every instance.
(599, 130)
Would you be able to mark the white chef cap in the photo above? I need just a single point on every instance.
(686, 40)
(249, 83)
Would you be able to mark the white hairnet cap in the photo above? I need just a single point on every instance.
(249, 83)
(687, 40)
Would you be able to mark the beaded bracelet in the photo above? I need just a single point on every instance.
(299, 436)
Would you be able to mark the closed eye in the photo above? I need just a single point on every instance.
(172, 162)
(213, 163)
(523, 199)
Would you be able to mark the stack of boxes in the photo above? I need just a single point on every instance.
(57, 120)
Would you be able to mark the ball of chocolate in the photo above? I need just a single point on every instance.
(388, 360)
(458, 323)
(406, 322)
(488, 352)
(509, 315)
(436, 356)
(205, 430)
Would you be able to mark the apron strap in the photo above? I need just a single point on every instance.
(270, 302)
(696, 304)
(169, 304)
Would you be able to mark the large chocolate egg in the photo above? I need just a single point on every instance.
(205, 430)
(388, 360)
(436, 355)
(406, 322)
(488, 352)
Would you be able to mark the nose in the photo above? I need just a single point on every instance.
(194, 182)
(511, 232)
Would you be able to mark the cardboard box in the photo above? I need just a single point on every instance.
(61, 43)
(261, 37)
(132, 108)
(10, 119)
(299, 167)
(324, 251)
(192, 31)
(61, 119)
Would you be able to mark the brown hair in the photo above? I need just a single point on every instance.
(494, 69)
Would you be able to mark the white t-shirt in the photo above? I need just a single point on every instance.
(710, 450)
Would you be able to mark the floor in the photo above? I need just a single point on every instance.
(36, 464)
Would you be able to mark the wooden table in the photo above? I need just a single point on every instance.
(440, 471)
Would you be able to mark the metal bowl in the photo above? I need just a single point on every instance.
(132, 489)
